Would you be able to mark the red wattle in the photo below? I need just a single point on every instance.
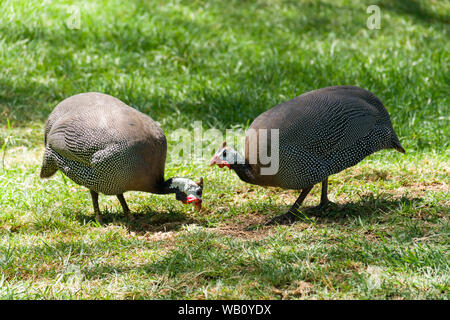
(191, 198)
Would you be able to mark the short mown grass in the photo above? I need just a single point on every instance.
(224, 62)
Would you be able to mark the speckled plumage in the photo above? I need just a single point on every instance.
(323, 132)
(103, 144)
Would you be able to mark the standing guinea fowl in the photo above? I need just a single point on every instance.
(103, 144)
(321, 132)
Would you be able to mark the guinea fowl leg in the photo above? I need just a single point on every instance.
(94, 196)
(126, 210)
(292, 214)
(324, 196)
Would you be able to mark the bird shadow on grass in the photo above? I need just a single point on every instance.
(146, 220)
(368, 207)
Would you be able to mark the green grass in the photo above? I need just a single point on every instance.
(223, 63)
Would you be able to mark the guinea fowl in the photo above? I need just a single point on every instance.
(103, 144)
(320, 133)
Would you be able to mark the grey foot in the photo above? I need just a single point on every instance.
(287, 218)
(322, 207)
(98, 218)
(129, 216)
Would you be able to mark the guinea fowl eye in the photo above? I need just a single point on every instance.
(199, 192)
(224, 154)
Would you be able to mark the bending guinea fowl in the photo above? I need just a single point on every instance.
(103, 144)
(321, 132)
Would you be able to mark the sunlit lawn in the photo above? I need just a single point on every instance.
(223, 63)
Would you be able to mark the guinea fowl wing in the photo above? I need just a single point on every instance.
(320, 124)
(80, 136)
(336, 122)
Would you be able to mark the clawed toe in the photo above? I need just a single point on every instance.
(287, 218)
(290, 217)
(323, 206)
(99, 219)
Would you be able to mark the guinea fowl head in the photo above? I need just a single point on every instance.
(188, 191)
(226, 157)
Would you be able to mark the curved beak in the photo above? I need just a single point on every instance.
(221, 163)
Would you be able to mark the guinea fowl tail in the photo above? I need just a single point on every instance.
(396, 144)
(49, 166)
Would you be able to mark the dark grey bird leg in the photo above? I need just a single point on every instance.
(126, 210)
(324, 196)
(324, 202)
(293, 212)
(94, 196)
